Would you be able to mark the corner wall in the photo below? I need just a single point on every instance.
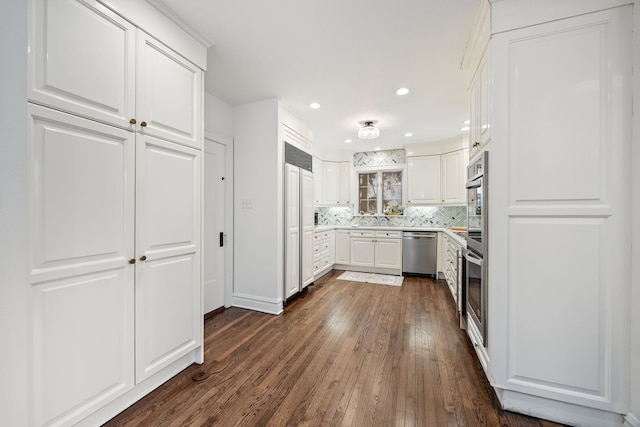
(14, 318)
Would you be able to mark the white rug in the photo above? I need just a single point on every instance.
(380, 279)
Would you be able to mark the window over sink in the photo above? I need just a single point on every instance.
(380, 192)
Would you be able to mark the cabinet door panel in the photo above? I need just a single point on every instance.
(344, 184)
(331, 180)
(343, 240)
(453, 177)
(168, 307)
(307, 227)
(423, 184)
(292, 230)
(82, 352)
(88, 68)
(171, 111)
(362, 252)
(389, 253)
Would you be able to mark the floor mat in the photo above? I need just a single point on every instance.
(380, 279)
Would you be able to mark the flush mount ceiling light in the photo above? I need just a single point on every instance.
(402, 91)
(314, 105)
(368, 130)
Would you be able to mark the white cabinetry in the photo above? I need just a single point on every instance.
(115, 274)
(423, 180)
(454, 173)
(377, 249)
(318, 181)
(334, 184)
(323, 252)
(571, 221)
(480, 102)
(343, 247)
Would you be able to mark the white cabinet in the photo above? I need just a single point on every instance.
(323, 252)
(115, 274)
(306, 220)
(97, 70)
(168, 250)
(335, 183)
(480, 102)
(318, 181)
(379, 249)
(454, 173)
(423, 180)
(343, 247)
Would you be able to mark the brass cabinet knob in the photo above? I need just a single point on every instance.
(132, 261)
(143, 258)
(133, 121)
(143, 124)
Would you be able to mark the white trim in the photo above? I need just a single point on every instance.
(252, 302)
(557, 411)
(112, 409)
(171, 14)
(379, 270)
(631, 421)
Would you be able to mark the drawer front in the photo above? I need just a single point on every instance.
(317, 247)
(362, 233)
(388, 234)
(322, 235)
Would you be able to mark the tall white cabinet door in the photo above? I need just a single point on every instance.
(88, 68)
(362, 252)
(292, 230)
(81, 283)
(307, 222)
(388, 253)
(168, 302)
(318, 181)
(331, 179)
(168, 93)
(423, 180)
(344, 183)
(454, 177)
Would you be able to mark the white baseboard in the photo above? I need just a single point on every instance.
(392, 271)
(561, 412)
(252, 302)
(630, 420)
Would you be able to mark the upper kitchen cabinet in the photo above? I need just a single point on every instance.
(318, 181)
(336, 181)
(454, 173)
(97, 69)
(423, 180)
(480, 103)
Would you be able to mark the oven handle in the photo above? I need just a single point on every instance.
(473, 258)
(475, 183)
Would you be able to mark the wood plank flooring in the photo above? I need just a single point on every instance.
(342, 354)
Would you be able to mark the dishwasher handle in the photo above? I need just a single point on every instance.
(419, 236)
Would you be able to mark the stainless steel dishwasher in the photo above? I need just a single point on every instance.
(420, 252)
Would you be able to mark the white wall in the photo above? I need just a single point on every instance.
(218, 116)
(437, 147)
(257, 165)
(635, 260)
(14, 374)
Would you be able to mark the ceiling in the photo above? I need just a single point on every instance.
(350, 56)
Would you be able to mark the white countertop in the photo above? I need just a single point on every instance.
(448, 232)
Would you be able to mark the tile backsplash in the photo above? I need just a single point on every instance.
(414, 216)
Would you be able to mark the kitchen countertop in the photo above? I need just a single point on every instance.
(460, 240)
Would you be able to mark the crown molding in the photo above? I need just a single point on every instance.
(161, 7)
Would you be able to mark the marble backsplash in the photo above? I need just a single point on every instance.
(414, 216)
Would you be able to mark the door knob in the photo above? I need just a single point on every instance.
(143, 124)
(143, 258)
(132, 261)
(132, 121)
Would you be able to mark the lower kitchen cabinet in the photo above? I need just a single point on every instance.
(323, 252)
(379, 249)
(343, 247)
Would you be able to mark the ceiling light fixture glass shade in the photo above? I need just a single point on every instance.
(368, 130)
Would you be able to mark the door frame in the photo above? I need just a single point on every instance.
(211, 135)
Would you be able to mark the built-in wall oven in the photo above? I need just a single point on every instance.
(477, 247)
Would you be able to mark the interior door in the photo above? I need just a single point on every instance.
(168, 303)
(214, 244)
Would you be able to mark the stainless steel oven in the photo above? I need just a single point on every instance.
(477, 218)
(477, 247)
(476, 294)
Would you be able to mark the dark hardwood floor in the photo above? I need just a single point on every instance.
(342, 354)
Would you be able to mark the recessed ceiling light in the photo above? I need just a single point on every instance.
(314, 105)
(408, 134)
(409, 153)
(402, 91)
(377, 149)
(464, 129)
(347, 141)
(466, 122)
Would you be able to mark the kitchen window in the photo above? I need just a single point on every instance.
(380, 192)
